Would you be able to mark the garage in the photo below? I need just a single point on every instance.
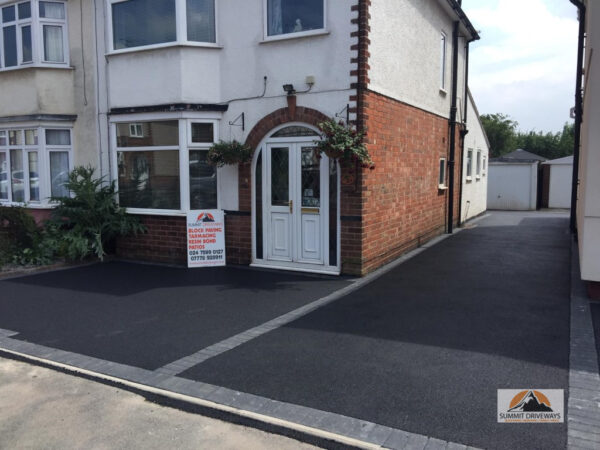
(513, 183)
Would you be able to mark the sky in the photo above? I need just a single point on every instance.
(525, 63)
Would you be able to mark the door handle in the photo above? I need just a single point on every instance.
(291, 203)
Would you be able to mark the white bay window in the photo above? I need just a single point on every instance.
(34, 164)
(161, 165)
(149, 23)
(33, 33)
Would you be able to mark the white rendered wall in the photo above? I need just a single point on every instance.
(474, 192)
(561, 176)
(405, 54)
(512, 187)
(236, 70)
(588, 208)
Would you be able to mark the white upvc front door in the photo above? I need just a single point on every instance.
(296, 200)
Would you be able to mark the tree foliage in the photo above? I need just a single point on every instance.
(504, 138)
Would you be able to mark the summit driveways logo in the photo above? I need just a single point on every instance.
(531, 405)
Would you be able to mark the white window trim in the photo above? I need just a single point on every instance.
(44, 151)
(180, 31)
(443, 185)
(443, 65)
(478, 165)
(37, 37)
(300, 34)
(185, 145)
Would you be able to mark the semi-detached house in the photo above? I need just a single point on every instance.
(141, 89)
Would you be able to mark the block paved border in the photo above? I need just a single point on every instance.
(330, 430)
(583, 417)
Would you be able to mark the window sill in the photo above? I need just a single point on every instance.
(443, 92)
(468, 179)
(155, 212)
(290, 36)
(28, 205)
(478, 178)
(148, 48)
(442, 187)
(37, 66)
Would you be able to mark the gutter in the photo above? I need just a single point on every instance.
(578, 114)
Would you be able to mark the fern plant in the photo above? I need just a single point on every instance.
(228, 153)
(84, 223)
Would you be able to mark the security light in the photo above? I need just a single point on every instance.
(289, 89)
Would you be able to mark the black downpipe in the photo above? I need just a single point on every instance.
(452, 126)
(464, 132)
(578, 114)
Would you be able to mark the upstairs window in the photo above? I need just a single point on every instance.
(292, 16)
(20, 22)
(443, 62)
(143, 23)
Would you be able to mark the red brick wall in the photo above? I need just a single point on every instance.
(166, 240)
(402, 205)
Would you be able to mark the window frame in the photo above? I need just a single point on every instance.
(469, 162)
(43, 150)
(299, 34)
(37, 36)
(185, 121)
(180, 30)
(443, 185)
(478, 165)
(443, 58)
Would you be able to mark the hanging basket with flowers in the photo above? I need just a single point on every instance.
(344, 143)
(228, 153)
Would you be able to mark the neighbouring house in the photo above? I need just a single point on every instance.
(48, 95)
(142, 89)
(475, 165)
(586, 213)
(557, 182)
(513, 181)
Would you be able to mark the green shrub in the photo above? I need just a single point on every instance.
(18, 231)
(86, 223)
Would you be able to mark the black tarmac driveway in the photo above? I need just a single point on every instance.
(424, 348)
(148, 316)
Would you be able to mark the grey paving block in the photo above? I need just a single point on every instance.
(397, 440)
(346, 426)
(224, 396)
(453, 446)
(582, 443)
(584, 428)
(292, 413)
(593, 437)
(379, 434)
(416, 442)
(435, 444)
